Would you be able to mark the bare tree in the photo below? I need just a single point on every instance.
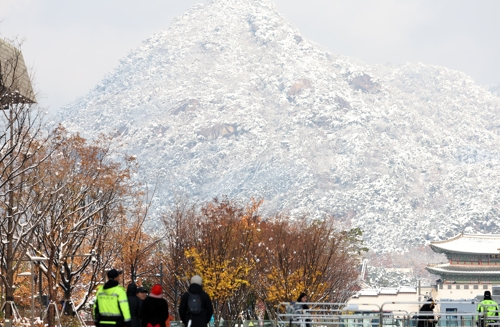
(304, 255)
(243, 258)
(81, 196)
(179, 225)
(21, 138)
(222, 252)
(136, 247)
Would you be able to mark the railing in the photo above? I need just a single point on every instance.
(389, 314)
(233, 323)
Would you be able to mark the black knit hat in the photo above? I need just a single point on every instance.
(113, 273)
(487, 295)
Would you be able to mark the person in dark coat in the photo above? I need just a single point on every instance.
(202, 319)
(142, 294)
(303, 307)
(133, 303)
(426, 314)
(154, 309)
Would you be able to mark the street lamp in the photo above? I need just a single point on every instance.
(32, 274)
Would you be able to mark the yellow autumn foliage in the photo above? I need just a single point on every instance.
(221, 278)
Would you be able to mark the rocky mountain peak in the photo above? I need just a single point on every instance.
(232, 100)
(242, 4)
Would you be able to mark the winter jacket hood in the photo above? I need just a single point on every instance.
(110, 284)
(195, 289)
(132, 289)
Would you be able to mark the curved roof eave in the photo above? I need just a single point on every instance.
(468, 244)
(438, 271)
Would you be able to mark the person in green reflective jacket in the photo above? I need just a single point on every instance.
(111, 307)
(488, 310)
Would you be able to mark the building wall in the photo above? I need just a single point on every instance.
(461, 291)
(396, 302)
(381, 301)
(404, 303)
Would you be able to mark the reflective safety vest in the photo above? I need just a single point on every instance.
(111, 306)
(488, 307)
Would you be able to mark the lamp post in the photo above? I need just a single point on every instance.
(32, 274)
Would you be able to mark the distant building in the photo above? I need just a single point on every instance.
(473, 265)
(15, 83)
(407, 299)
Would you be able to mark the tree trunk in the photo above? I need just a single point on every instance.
(51, 284)
(9, 289)
(68, 306)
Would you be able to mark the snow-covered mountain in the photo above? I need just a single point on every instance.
(495, 89)
(232, 100)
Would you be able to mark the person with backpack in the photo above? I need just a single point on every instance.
(195, 308)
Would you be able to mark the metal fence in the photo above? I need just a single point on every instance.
(385, 315)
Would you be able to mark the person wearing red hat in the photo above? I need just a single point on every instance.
(154, 310)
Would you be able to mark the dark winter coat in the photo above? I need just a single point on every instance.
(134, 305)
(202, 319)
(154, 311)
(303, 308)
(426, 314)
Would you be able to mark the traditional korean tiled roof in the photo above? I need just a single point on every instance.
(464, 270)
(15, 83)
(469, 243)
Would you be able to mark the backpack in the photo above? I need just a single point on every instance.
(194, 304)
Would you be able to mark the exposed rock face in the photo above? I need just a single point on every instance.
(225, 130)
(365, 84)
(231, 100)
(187, 106)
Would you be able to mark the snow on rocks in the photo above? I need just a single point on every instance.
(232, 100)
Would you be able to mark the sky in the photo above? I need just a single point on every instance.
(71, 45)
